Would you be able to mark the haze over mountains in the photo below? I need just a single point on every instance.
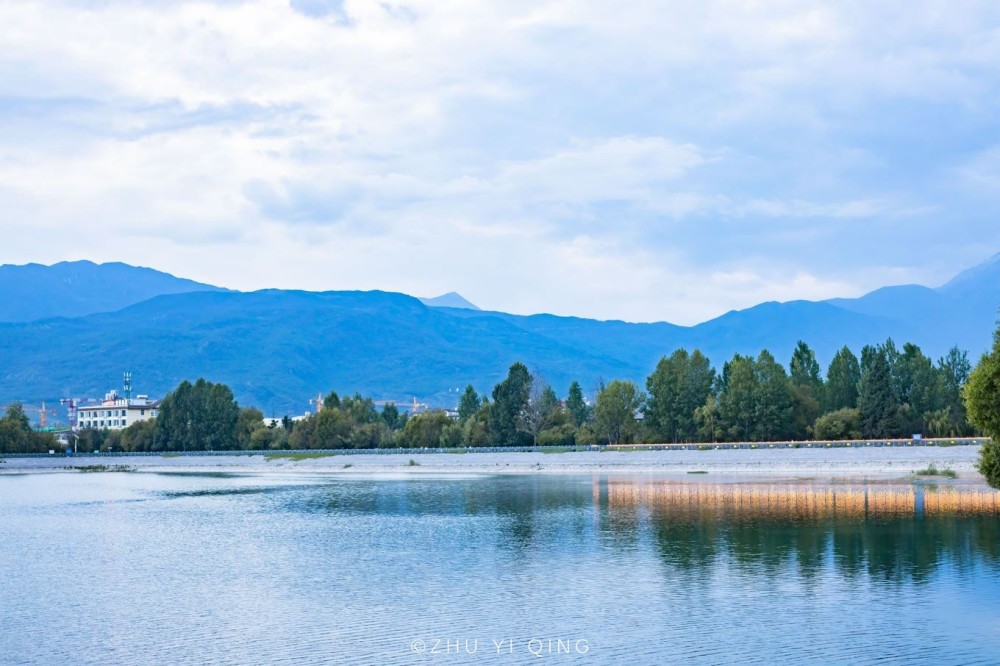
(72, 328)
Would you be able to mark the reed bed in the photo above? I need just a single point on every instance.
(799, 502)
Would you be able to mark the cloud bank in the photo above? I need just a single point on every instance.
(644, 161)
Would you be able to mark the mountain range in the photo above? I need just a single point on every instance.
(71, 329)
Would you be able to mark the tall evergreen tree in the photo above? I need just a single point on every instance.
(807, 390)
(842, 379)
(391, 416)
(914, 379)
(953, 371)
(510, 399)
(773, 402)
(738, 398)
(469, 404)
(804, 369)
(579, 411)
(678, 386)
(877, 401)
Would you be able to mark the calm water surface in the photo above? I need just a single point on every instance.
(210, 569)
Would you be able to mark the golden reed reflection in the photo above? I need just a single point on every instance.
(797, 500)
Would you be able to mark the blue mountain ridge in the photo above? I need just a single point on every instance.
(77, 288)
(277, 348)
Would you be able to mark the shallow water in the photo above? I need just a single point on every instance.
(224, 569)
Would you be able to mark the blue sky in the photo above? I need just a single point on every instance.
(635, 160)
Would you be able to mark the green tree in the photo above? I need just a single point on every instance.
(332, 429)
(708, 421)
(303, 433)
(807, 390)
(842, 379)
(773, 401)
(139, 436)
(331, 401)
(475, 430)
(915, 381)
(359, 410)
(615, 411)
(197, 417)
(424, 430)
(678, 386)
(469, 404)
(804, 369)
(15, 430)
(510, 399)
(391, 417)
(17, 416)
(579, 410)
(249, 420)
(982, 401)
(738, 398)
(953, 372)
(17, 435)
(877, 401)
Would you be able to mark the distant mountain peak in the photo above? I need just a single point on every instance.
(450, 300)
(982, 275)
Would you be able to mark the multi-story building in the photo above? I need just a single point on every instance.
(116, 412)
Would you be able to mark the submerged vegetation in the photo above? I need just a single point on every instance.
(932, 470)
(295, 457)
(103, 468)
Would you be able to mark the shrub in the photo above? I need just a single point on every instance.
(841, 424)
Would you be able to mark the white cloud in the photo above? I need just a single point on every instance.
(634, 161)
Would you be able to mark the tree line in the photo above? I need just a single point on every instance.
(887, 392)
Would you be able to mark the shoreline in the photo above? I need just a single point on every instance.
(735, 464)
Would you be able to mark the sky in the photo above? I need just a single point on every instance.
(634, 160)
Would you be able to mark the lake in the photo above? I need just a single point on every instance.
(139, 568)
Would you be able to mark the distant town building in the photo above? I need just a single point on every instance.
(116, 412)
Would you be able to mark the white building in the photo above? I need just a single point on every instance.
(116, 413)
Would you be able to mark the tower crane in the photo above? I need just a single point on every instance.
(414, 406)
(71, 405)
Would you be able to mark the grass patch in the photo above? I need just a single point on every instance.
(697, 471)
(413, 463)
(456, 451)
(170, 455)
(932, 470)
(295, 457)
(103, 468)
(560, 449)
(348, 465)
